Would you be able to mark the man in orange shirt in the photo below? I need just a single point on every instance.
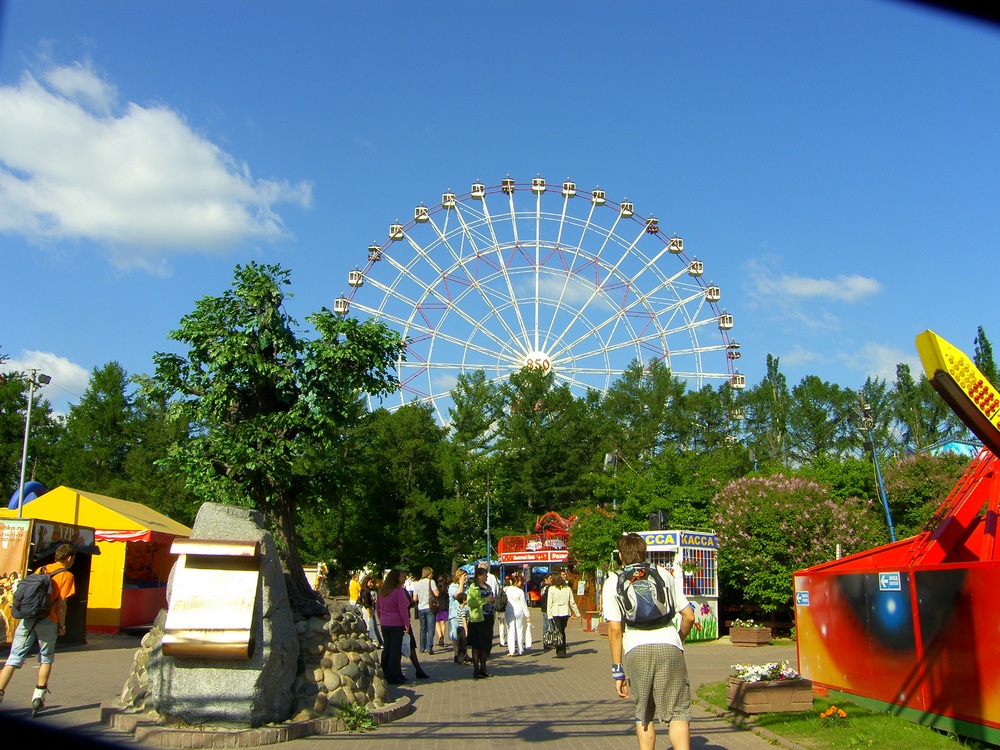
(45, 630)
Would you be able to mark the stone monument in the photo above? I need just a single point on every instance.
(252, 692)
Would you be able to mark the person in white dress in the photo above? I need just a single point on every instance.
(515, 616)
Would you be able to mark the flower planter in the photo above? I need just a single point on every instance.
(750, 636)
(769, 697)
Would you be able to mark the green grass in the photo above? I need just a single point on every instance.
(860, 729)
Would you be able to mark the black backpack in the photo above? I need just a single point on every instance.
(33, 596)
(501, 600)
(645, 599)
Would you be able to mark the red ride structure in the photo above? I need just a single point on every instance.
(911, 627)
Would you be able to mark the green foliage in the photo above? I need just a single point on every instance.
(860, 727)
(770, 527)
(818, 422)
(917, 485)
(265, 406)
(356, 718)
(594, 537)
(766, 412)
(112, 441)
(924, 418)
(846, 477)
(983, 357)
(643, 410)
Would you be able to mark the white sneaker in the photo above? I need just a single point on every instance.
(38, 699)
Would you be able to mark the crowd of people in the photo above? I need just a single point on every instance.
(407, 616)
(649, 649)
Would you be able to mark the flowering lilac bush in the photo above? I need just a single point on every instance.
(770, 527)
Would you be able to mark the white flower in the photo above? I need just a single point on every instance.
(770, 672)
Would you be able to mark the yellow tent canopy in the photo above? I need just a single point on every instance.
(111, 518)
(128, 581)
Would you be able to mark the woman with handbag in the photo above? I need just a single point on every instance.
(393, 607)
(481, 610)
(561, 605)
(426, 592)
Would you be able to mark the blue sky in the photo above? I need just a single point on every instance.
(835, 165)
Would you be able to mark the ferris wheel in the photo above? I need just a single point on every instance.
(539, 275)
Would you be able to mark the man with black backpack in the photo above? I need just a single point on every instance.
(46, 624)
(640, 604)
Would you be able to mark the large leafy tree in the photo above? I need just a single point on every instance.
(547, 449)
(469, 463)
(265, 405)
(924, 417)
(644, 410)
(818, 420)
(766, 408)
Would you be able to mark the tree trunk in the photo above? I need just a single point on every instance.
(303, 598)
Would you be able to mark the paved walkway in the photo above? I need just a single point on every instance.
(566, 703)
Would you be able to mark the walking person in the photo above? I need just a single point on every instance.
(393, 608)
(366, 600)
(354, 588)
(441, 608)
(547, 627)
(647, 656)
(460, 628)
(414, 660)
(454, 616)
(45, 629)
(480, 603)
(493, 582)
(561, 606)
(424, 591)
(515, 616)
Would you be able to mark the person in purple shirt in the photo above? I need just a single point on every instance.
(393, 608)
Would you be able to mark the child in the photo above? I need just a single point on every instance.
(462, 627)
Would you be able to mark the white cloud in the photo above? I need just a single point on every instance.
(136, 180)
(841, 288)
(67, 377)
(880, 361)
(800, 356)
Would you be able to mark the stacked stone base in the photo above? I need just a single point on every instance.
(149, 730)
(341, 668)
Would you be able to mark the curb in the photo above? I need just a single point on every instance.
(145, 729)
(746, 723)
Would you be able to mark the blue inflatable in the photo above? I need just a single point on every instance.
(32, 490)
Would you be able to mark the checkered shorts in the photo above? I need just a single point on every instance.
(658, 681)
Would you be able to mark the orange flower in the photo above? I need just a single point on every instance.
(842, 713)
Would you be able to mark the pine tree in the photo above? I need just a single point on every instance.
(983, 357)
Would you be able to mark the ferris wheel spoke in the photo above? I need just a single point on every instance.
(501, 267)
(430, 299)
(422, 332)
(599, 281)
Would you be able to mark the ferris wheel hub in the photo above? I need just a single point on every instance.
(538, 359)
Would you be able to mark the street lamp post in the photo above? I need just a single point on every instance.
(37, 378)
(867, 424)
